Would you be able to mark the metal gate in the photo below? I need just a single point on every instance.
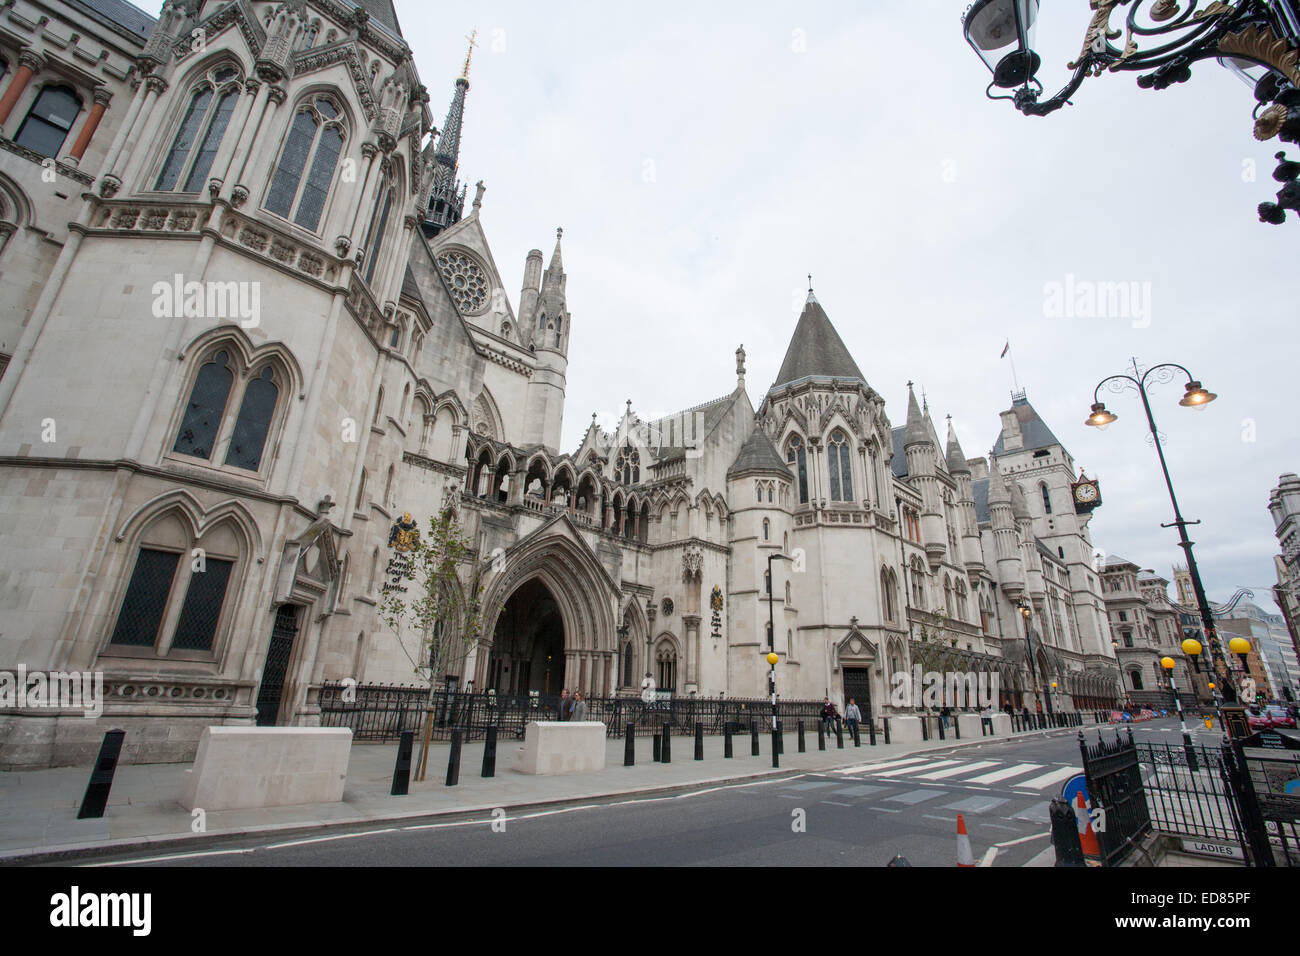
(1115, 782)
(857, 685)
(276, 665)
(1265, 773)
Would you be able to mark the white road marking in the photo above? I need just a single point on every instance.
(1016, 771)
(1046, 780)
(1035, 836)
(904, 770)
(868, 767)
(990, 855)
(953, 771)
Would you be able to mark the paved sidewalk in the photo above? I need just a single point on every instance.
(38, 809)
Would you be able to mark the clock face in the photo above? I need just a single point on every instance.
(1086, 493)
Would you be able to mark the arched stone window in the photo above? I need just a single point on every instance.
(787, 592)
(841, 473)
(888, 597)
(963, 609)
(376, 231)
(176, 598)
(49, 120)
(208, 421)
(305, 170)
(797, 455)
(627, 664)
(361, 490)
(947, 596)
(666, 664)
(767, 527)
(627, 467)
(202, 126)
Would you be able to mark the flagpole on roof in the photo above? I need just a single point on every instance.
(1006, 353)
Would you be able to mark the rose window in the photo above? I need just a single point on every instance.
(469, 285)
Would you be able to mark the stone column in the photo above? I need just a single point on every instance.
(28, 65)
(571, 670)
(102, 97)
(611, 674)
(148, 126)
(691, 638)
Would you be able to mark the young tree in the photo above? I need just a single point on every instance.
(433, 593)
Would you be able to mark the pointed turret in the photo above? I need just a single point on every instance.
(956, 457)
(545, 315)
(916, 432)
(447, 197)
(1006, 536)
(816, 350)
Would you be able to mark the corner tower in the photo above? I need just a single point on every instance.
(547, 331)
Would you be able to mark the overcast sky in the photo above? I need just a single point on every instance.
(703, 158)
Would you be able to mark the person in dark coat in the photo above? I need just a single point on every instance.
(566, 704)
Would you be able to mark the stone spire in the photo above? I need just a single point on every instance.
(956, 457)
(447, 198)
(816, 350)
(916, 432)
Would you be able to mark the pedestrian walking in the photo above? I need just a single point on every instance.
(828, 715)
(566, 704)
(579, 707)
(852, 716)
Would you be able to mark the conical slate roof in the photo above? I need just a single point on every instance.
(758, 454)
(816, 350)
(917, 432)
(1033, 430)
(956, 457)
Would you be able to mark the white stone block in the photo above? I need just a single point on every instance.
(555, 747)
(1002, 724)
(241, 767)
(969, 725)
(905, 730)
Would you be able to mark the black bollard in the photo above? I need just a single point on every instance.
(871, 730)
(667, 749)
(629, 746)
(885, 721)
(699, 740)
(780, 737)
(453, 762)
(776, 749)
(101, 778)
(402, 769)
(753, 738)
(802, 747)
(839, 734)
(658, 749)
(939, 723)
(821, 735)
(490, 753)
(857, 735)
(726, 740)
(1065, 834)
(956, 727)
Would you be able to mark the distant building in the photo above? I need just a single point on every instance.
(1146, 629)
(1284, 506)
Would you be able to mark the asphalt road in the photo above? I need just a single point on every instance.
(857, 817)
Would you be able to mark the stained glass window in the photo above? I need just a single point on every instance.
(202, 608)
(284, 184)
(797, 455)
(185, 138)
(202, 418)
(318, 181)
(146, 598)
(841, 474)
(376, 242)
(253, 423)
(211, 142)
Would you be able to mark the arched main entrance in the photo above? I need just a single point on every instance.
(553, 597)
(528, 643)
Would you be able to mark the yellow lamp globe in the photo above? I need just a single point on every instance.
(1167, 663)
(1191, 647)
(1053, 685)
(773, 658)
(1211, 685)
(1239, 645)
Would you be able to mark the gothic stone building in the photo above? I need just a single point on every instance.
(248, 321)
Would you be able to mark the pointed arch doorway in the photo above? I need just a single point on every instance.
(528, 643)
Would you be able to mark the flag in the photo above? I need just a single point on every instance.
(1005, 349)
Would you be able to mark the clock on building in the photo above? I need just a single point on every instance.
(1086, 494)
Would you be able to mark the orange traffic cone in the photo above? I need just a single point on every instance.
(964, 856)
(1088, 838)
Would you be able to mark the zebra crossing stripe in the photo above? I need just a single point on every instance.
(996, 775)
(927, 766)
(871, 767)
(1047, 779)
(953, 771)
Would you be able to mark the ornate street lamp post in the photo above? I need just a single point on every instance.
(1256, 39)
(1168, 664)
(1195, 396)
(772, 656)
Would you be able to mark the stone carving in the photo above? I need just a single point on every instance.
(692, 564)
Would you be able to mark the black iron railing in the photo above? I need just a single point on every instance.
(1114, 777)
(1193, 799)
(380, 713)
